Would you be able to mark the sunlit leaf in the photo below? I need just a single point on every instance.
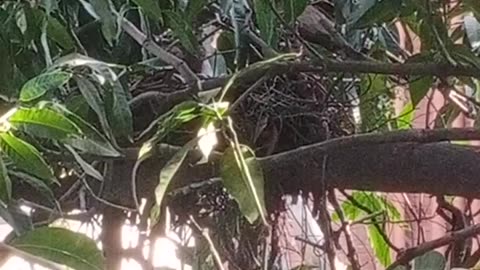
(404, 120)
(86, 167)
(26, 157)
(40, 85)
(93, 142)
(250, 198)
(61, 246)
(379, 246)
(44, 123)
(207, 140)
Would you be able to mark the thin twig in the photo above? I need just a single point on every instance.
(207, 237)
(87, 186)
(158, 51)
(345, 227)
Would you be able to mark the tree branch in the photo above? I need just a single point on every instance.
(158, 51)
(423, 248)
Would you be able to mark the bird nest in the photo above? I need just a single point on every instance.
(273, 114)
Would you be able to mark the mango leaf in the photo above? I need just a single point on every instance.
(91, 94)
(182, 29)
(86, 167)
(26, 157)
(404, 120)
(292, 9)
(104, 9)
(168, 172)
(266, 21)
(43, 123)
(250, 198)
(432, 260)
(61, 246)
(7, 67)
(5, 183)
(193, 8)
(151, 9)
(93, 142)
(375, 101)
(419, 88)
(120, 114)
(40, 85)
(372, 201)
(382, 11)
(379, 246)
(59, 33)
(37, 184)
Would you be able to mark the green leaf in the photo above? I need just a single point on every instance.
(40, 85)
(404, 120)
(120, 114)
(105, 10)
(36, 183)
(169, 170)
(419, 88)
(59, 33)
(93, 142)
(86, 167)
(43, 123)
(61, 246)
(194, 7)
(374, 202)
(375, 101)
(266, 21)
(293, 8)
(182, 29)
(150, 8)
(5, 183)
(91, 94)
(379, 246)
(26, 157)
(250, 198)
(432, 260)
(382, 11)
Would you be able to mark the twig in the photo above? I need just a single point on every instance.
(158, 51)
(214, 251)
(368, 211)
(421, 249)
(87, 186)
(345, 227)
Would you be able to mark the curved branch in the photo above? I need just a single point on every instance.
(423, 248)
